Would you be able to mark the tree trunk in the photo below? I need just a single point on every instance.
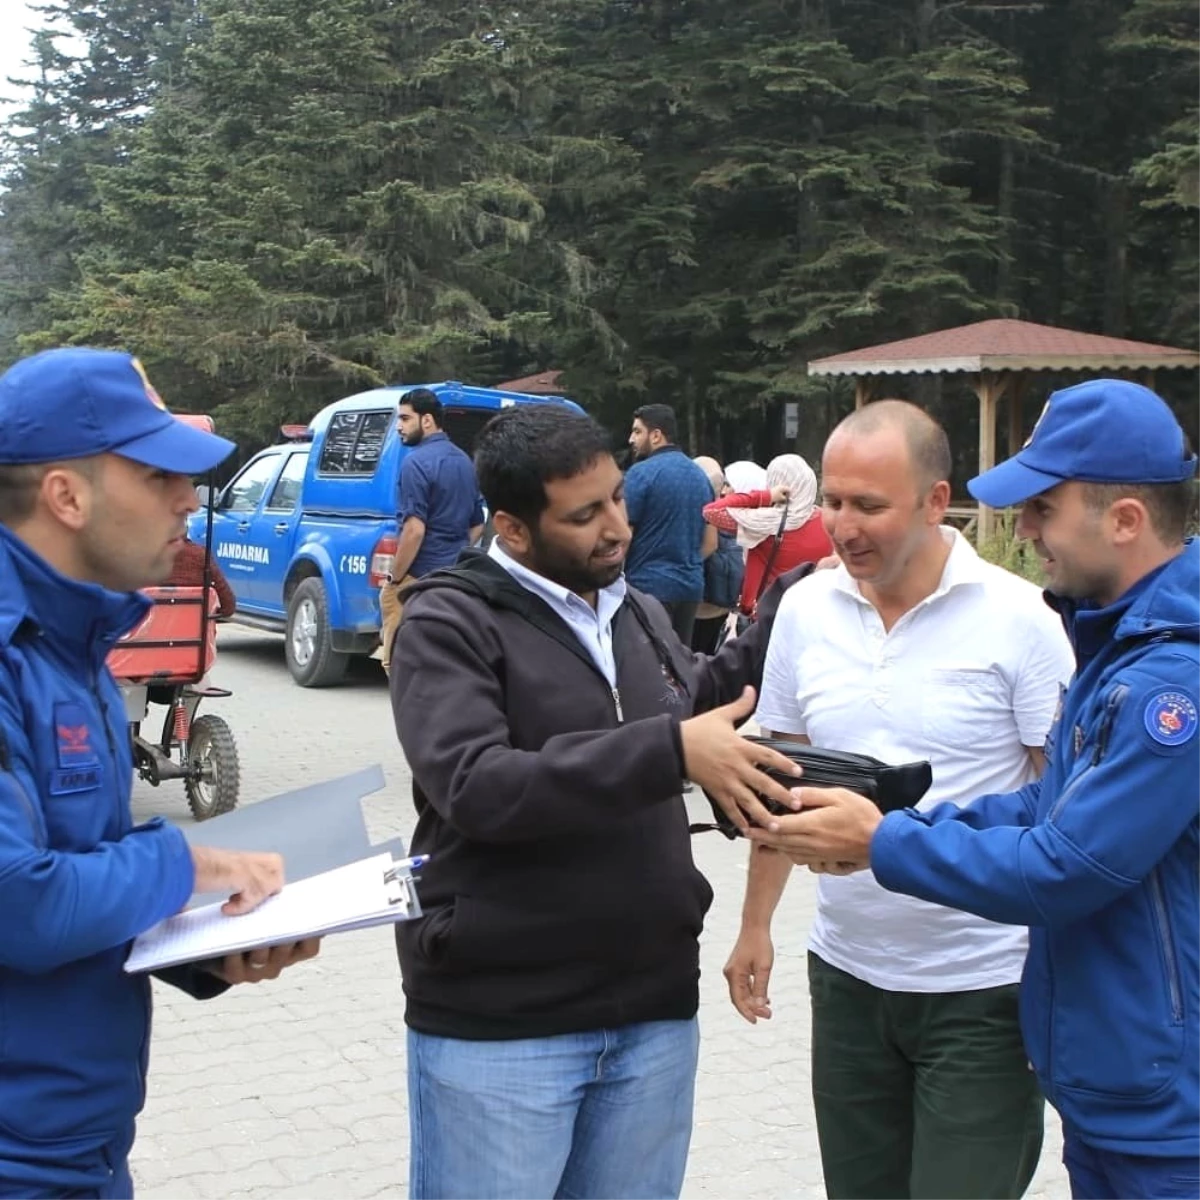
(1116, 260)
(1004, 207)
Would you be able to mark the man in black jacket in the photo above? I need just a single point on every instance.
(547, 712)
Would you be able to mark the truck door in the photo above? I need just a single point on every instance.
(240, 544)
(277, 523)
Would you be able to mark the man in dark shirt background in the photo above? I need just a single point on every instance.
(439, 512)
(665, 495)
(188, 571)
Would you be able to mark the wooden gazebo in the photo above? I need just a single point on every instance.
(999, 357)
(545, 383)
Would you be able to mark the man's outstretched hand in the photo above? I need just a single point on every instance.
(833, 832)
(727, 765)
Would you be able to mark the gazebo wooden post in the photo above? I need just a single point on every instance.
(862, 391)
(1016, 425)
(989, 387)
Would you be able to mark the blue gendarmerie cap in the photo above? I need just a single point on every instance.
(1102, 431)
(76, 403)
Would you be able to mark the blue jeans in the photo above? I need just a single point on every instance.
(1106, 1175)
(598, 1114)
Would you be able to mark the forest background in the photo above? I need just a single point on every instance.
(276, 203)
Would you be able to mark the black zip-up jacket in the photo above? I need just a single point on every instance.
(561, 895)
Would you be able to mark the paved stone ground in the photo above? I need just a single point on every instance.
(297, 1088)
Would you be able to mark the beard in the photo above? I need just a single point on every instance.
(413, 439)
(568, 570)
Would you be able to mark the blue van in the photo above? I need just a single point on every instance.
(306, 530)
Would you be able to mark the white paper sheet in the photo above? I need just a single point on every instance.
(363, 893)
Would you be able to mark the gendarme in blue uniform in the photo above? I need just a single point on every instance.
(78, 880)
(1101, 857)
(74, 1030)
(437, 486)
(665, 496)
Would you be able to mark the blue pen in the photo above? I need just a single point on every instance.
(412, 864)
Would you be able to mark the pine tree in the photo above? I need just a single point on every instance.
(322, 201)
(94, 73)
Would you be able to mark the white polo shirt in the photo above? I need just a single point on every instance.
(968, 679)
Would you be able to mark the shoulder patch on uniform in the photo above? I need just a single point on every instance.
(1171, 718)
(79, 767)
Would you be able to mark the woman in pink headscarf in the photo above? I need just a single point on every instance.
(755, 516)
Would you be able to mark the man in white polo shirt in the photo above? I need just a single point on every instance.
(913, 648)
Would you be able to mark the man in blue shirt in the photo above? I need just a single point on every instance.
(665, 495)
(1099, 858)
(440, 510)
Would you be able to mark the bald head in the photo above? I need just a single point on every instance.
(928, 446)
(711, 468)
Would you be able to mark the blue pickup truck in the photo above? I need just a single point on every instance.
(306, 530)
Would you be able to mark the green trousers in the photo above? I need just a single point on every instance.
(921, 1096)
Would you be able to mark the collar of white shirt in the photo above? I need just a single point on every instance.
(963, 566)
(592, 626)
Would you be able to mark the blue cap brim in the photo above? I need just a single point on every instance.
(179, 448)
(1010, 482)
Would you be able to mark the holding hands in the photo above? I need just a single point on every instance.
(727, 766)
(830, 835)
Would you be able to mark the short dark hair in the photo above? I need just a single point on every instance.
(527, 446)
(1170, 506)
(660, 417)
(424, 403)
(19, 485)
(20, 482)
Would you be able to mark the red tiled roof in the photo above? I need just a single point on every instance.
(999, 345)
(543, 384)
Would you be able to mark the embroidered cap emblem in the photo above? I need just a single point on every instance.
(1171, 718)
(151, 393)
(1033, 431)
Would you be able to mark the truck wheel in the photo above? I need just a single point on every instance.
(211, 748)
(311, 657)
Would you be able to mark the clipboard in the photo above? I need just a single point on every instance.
(379, 890)
(315, 828)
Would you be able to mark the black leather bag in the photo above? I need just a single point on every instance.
(890, 787)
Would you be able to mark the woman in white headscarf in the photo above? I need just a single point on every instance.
(746, 476)
(779, 524)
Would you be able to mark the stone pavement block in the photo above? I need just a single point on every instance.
(299, 1106)
(197, 1187)
(295, 1089)
(261, 1178)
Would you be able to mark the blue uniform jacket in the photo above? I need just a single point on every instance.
(77, 881)
(1099, 858)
